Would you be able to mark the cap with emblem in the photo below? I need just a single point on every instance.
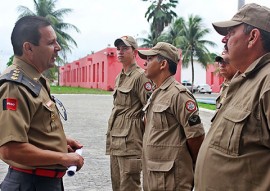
(252, 14)
(164, 49)
(127, 40)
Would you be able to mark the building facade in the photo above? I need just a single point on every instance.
(97, 70)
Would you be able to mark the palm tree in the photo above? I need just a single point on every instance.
(161, 15)
(148, 42)
(46, 8)
(172, 35)
(191, 40)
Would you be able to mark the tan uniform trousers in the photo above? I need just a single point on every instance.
(126, 173)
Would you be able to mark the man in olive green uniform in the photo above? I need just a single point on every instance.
(227, 71)
(32, 140)
(173, 131)
(235, 154)
(125, 128)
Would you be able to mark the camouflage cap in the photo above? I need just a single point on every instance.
(164, 49)
(252, 14)
(127, 40)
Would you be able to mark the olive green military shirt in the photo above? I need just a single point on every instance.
(125, 126)
(29, 118)
(172, 117)
(235, 154)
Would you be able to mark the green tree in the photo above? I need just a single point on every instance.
(10, 61)
(191, 40)
(160, 15)
(148, 42)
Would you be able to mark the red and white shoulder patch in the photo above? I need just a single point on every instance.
(10, 104)
(191, 106)
(147, 86)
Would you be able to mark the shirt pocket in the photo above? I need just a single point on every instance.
(159, 117)
(119, 138)
(161, 175)
(227, 136)
(122, 96)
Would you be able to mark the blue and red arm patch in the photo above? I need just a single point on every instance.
(10, 104)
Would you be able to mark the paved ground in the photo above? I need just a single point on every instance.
(87, 122)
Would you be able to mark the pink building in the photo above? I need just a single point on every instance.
(213, 78)
(97, 70)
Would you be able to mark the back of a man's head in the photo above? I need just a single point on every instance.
(26, 29)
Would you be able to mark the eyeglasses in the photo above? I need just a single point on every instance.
(60, 108)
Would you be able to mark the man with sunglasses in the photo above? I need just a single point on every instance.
(173, 130)
(235, 154)
(125, 127)
(32, 139)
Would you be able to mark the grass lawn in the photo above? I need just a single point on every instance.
(76, 90)
(207, 106)
(79, 90)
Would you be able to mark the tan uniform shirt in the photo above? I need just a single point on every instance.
(171, 118)
(125, 126)
(235, 154)
(28, 119)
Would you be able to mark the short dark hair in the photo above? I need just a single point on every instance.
(172, 65)
(264, 34)
(26, 29)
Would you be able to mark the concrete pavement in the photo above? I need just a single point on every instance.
(87, 122)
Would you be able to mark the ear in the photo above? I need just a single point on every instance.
(135, 52)
(254, 36)
(27, 48)
(164, 64)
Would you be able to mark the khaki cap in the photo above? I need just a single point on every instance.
(127, 40)
(164, 49)
(252, 14)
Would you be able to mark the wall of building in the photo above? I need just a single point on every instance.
(97, 70)
(213, 78)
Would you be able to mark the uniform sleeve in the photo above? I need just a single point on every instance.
(14, 114)
(143, 88)
(265, 116)
(187, 113)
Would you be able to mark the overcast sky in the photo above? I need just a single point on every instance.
(102, 21)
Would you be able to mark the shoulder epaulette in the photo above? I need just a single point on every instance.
(19, 77)
(140, 70)
(180, 87)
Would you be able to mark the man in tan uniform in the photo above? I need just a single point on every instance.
(32, 139)
(125, 128)
(173, 131)
(235, 154)
(227, 71)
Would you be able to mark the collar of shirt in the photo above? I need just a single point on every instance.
(167, 83)
(256, 65)
(130, 69)
(27, 69)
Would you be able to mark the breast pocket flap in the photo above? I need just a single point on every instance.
(124, 89)
(160, 108)
(236, 115)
